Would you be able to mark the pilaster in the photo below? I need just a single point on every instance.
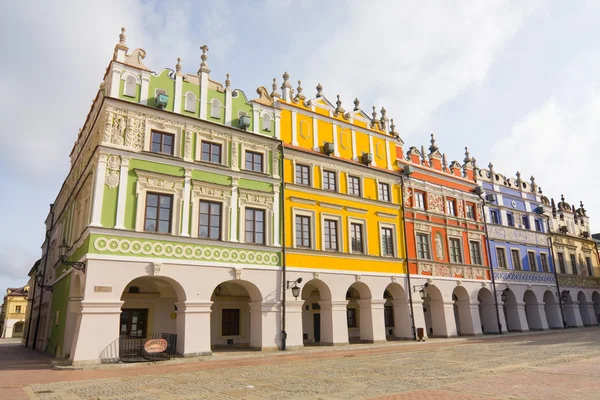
(145, 87)
(234, 223)
(99, 177)
(122, 196)
(185, 213)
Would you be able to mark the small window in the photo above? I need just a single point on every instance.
(162, 143)
(354, 186)
(450, 207)
(475, 252)
(215, 108)
(302, 174)
(384, 192)
(230, 322)
(266, 122)
(532, 261)
(544, 259)
(388, 316)
(130, 86)
(330, 234)
(255, 226)
(387, 242)
(561, 263)
(302, 231)
(525, 220)
(510, 219)
(516, 259)
(351, 316)
(210, 220)
(470, 211)
(588, 263)
(134, 290)
(254, 161)
(158, 213)
(574, 264)
(423, 250)
(495, 216)
(211, 152)
(190, 102)
(455, 254)
(329, 181)
(18, 309)
(501, 256)
(356, 238)
(420, 200)
(538, 225)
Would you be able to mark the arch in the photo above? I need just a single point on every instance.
(515, 321)
(396, 312)
(462, 312)
(487, 311)
(18, 329)
(266, 121)
(190, 102)
(596, 301)
(215, 108)
(533, 312)
(359, 313)
(130, 87)
(317, 318)
(552, 310)
(572, 318)
(435, 317)
(584, 309)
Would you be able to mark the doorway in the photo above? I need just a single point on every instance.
(317, 327)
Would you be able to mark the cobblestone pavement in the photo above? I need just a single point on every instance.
(549, 365)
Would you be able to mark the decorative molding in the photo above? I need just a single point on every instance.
(517, 235)
(113, 167)
(422, 227)
(435, 203)
(524, 276)
(578, 281)
(301, 200)
(356, 210)
(386, 215)
(331, 205)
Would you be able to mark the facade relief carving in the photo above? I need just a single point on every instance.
(435, 203)
(113, 170)
(439, 247)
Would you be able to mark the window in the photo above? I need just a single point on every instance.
(302, 174)
(162, 143)
(356, 238)
(450, 208)
(130, 86)
(475, 252)
(423, 250)
(588, 263)
(215, 108)
(525, 220)
(330, 234)
(538, 225)
(387, 242)
(470, 211)
(254, 161)
(266, 122)
(574, 264)
(211, 152)
(384, 192)
(419, 200)
(302, 231)
(501, 256)
(561, 263)
(329, 181)
(495, 216)
(210, 220)
(510, 219)
(354, 185)
(190, 102)
(18, 309)
(544, 258)
(455, 254)
(516, 258)
(230, 322)
(158, 213)
(133, 322)
(532, 261)
(388, 316)
(255, 226)
(351, 317)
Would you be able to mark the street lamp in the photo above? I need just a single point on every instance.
(294, 286)
(62, 249)
(422, 290)
(503, 295)
(39, 281)
(565, 296)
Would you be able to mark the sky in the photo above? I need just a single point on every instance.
(518, 82)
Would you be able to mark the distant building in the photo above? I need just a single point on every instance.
(14, 309)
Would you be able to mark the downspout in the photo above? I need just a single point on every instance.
(409, 289)
(31, 308)
(283, 258)
(39, 317)
(560, 301)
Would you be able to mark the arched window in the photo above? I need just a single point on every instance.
(130, 86)
(266, 122)
(215, 108)
(190, 102)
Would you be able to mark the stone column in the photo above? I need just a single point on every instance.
(402, 326)
(536, 317)
(372, 320)
(516, 319)
(553, 316)
(293, 322)
(572, 315)
(588, 318)
(442, 318)
(98, 193)
(193, 328)
(98, 336)
(265, 326)
(419, 316)
(185, 212)
(122, 193)
(470, 324)
(234, 222)
(334, 322)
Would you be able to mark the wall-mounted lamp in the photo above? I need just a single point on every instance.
(218, 290)
(62, 250)
(422, 290)
(503, 295)
(39, 281)
(565, 296)
(294, 286)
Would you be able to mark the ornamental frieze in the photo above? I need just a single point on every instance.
(435, 203)
(517, 235)
(525, 276)
(579, 281)
(452, 271)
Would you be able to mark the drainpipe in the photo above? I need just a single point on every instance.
(560, 302)
(489, 252)
(410, 301)
(283, 261)
(31, 308)
(39, 316)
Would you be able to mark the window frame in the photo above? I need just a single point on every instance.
(351, 317)
(496, 212)
(519, 265)
(211, 203)
(254, 154)
(302, 238)
(539, 226)
(573, 262)
(427, 237)
(419, 197)
(478, 244)
(148, 185)
(510, 219)
(326, 221)
(157, 219)
(238, 323)
(589, 266)
(470, 215)
(354, 185)
(308, 172)
(451, 207)
(525, 222)
(161, 144)
(210, 152)
(394, 243)
(544, 262)
(361, 229)
(561, 262)
(329, 173)
(459, 248)
(535, 267)
(312, 215)
(254, 232)
(384, 189)
(501, 250)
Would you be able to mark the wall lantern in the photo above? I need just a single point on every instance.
(40, 282)
(565, 296)
(422, 290)
(218, 290)
(294, 286)
(503, 295)
(62, 250)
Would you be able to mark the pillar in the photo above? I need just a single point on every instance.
(516, 320)
(99, 177)
(293, 324)
(185, 213)
(419, 316)
(588, 318)
(372, 320)
(553, 315)
(122, 193)
(469, 319)
(334, 322)
(265, 326)
(193, 328)
(442, 318)
(98, 336)
(536, 317)
(572, 315)
(402, 326)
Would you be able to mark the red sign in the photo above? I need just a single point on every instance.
(155, 346)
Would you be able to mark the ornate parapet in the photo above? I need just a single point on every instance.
(524, 276)
(505, 233)
(452, 271)
(579, 281)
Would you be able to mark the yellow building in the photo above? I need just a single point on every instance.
(342, 218)
(14, 309)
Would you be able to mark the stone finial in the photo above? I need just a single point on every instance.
(122, 37)
(474, 164)
(339, 109)
(433, 148)
(275, 93)
(491, 169)
(393, 127)
(467, 156)
(444, 162)
(374, 114)
(422, 154)
(356, 104)
(574, 213)
(319, 90)
(383, 114)
(581, 205)
(227, 81)
(178, 66)
(533, 184)
(518, 182)
(562, 198)
(286, 82)
(203, 57)
(299, 94)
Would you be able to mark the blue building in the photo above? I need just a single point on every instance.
(520, 251)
